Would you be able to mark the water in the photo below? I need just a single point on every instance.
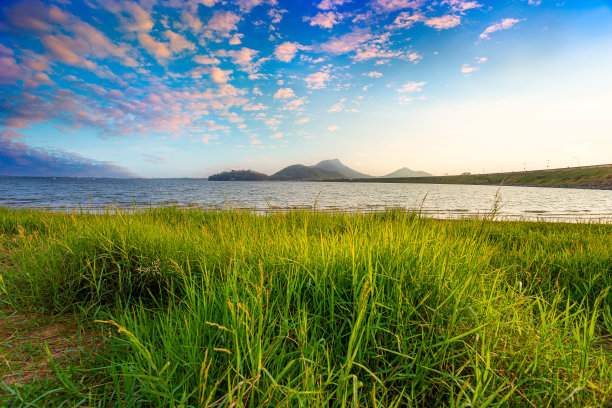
(439, 200)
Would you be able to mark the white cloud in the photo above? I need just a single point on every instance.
(333, 128)
(247, 5)
(318, 80)
(294, 104)
(286, 51)
(411, 86)
(302, 121)
(467, 69)
(444, 22)
(481, 60)
(242, 57)
(325, 20)
(373, 74)
(277, 135)
(534, 2)
(505, 24)
(284, 93)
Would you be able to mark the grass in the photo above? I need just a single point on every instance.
(234, 309)
(579, 177)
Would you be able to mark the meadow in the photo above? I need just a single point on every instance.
(597, 177)
(171, 307)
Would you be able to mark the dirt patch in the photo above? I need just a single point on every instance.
(23, 342)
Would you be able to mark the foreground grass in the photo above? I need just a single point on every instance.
(230, 308)
(586, 177)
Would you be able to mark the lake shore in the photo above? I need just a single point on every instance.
(183, 307)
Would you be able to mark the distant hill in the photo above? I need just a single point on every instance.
(406, 172)
(336, 165)
(239, 175)
(301, 172)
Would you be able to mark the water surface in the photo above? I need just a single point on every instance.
(440, 200)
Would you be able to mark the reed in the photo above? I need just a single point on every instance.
(300, 308)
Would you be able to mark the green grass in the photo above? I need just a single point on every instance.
(302, 309)
(587, 177)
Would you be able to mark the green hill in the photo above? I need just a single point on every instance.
(239, 175)
(406, 172)
(301, 172)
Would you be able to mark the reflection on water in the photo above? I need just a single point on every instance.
(438, 200)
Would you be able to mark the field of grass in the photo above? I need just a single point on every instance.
(579, 177)
(172, 307)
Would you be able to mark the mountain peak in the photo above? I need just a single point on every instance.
(337, 166)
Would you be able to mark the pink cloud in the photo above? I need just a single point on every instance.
(158, 49)
(346, 43)
(505, 24)
(411, 86)
(284, 93)
(318, 80)
(286, 51)
(392, 5)
(65, 49)
(331, 4)
(178, 43)
(444, 22)
(222, 23)
(325, 20)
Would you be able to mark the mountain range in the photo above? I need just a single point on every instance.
(326, 170)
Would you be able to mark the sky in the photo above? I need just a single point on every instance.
(188, 88)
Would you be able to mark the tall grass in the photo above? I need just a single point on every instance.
(231, 308)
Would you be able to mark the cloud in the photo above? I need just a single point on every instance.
(406, 19)
(284, 93)
(347, 42)
(481, 60)
(277, 135)
(140, 20)
(373, 74)
(294, 104)
(302, 121)
(222, 23)
(467, 69)
(156, 48)
(392, 5)
(63, 48)
(286, 51)
(206, 60)
(411, 86)
(242, 57)
(444, 22)
(460, 6)
(331, 4)
(253, 107)
(18, 159)
(325, 20)
(178, 43)
(29, 15)
(219, 76)
(505, 24)
(318, 80)
(272, 123)
(333, 128)
(247, 5)
(10, 71)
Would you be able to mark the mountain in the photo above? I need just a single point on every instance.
(406, 172)
(336, 165)
(301, 172)
(239, 175)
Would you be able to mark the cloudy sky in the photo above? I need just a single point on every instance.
(186, 88)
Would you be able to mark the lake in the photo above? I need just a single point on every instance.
(438, 200)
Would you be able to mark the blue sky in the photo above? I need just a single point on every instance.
(186, 88)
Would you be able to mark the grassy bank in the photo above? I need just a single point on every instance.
(219, 309)
(579, 177)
